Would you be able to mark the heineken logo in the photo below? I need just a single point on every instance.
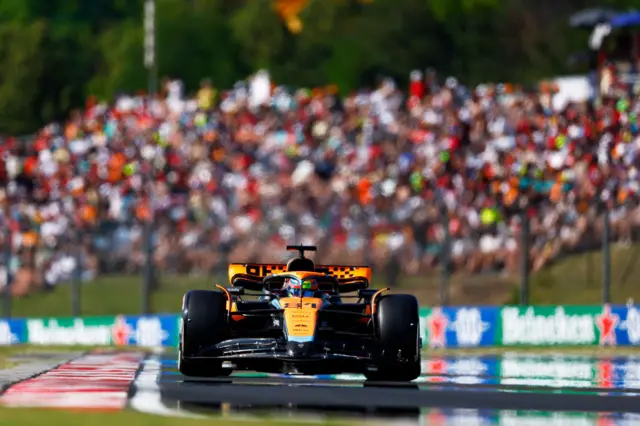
(560, 325)
(555, 327)
(73, 332)
(120, 331)
(516, 367)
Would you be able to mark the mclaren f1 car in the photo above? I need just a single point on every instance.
(303, 319)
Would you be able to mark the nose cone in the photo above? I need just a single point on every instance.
(299, 349)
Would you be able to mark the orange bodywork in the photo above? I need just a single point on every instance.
(261, 270)
(300, 315)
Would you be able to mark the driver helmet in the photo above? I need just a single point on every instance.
(294, 287)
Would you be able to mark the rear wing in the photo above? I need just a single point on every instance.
(350, 278)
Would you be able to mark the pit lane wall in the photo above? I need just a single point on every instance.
(441, 327)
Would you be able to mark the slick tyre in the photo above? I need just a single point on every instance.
(203, 325)
(397, 324)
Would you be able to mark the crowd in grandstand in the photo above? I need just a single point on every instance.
(239, 173)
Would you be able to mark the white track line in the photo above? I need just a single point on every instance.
(147, 398)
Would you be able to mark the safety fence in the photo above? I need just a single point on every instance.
(446, 327)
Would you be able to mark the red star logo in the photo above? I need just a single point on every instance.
(436, 367)
(607, 323)
(437, 325)
(605, 374)
(121, 331)
(435, 417)
(605, 420)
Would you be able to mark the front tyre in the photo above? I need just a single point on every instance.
(397, 322)
(203, 325)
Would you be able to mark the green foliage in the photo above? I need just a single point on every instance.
(20, 46)
(57, 52)
(121, 68)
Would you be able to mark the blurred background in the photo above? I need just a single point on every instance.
(472, 152)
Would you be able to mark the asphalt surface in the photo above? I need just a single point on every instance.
(353, 395)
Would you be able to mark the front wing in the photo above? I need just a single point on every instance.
(278, 349)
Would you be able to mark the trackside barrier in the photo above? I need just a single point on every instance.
(446, 327)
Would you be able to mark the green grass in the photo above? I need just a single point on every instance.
(107, 296)
(6, 352)
(573, 280)
(9, 351)
(10, 356)
(38, 417)
(578, 279)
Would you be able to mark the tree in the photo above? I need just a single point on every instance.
(121, 61)
(56, 52)
(22, 66)
(194, 42)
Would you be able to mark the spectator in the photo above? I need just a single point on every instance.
(238, 174)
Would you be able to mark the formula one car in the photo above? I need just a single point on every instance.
(301, 323)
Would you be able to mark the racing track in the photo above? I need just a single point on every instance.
(274, 391)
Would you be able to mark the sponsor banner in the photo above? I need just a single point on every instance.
(536, 370)
(13, 332)
(558, 325)
(461, 370)
(441, 327)
(617, 375)
(455, 416)
(534, 418)
(626, 323)
(144, 331)
(464, 326)
(147, 331)
(71, 331)
(479, 326)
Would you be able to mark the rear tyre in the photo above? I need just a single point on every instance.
(397, 324)
(203, 324)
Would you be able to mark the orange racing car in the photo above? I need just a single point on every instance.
(303, 319)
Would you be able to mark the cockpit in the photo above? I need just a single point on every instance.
(296, 287)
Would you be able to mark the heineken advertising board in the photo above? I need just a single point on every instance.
(12, 332)
(477, 326)
(464, 326)
(123, 330)
(619, 374)
(454, 416)
(441, 327)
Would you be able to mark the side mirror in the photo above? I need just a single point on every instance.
(274, 284)
(366, 293)
(327, 287)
